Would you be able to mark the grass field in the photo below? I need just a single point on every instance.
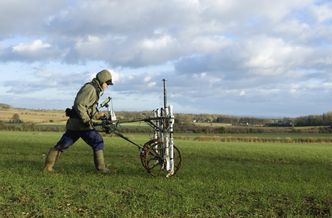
(217, 179)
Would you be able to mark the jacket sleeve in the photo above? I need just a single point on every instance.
(84, 102)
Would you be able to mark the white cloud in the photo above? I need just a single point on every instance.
(210, 44)
(35, 46)
(323, 12)
(239, 11)
(116, 76)
(242, 93)
(147, 78)
(273, 56)
(212, 51)
(295, 29)
(26, 17)
(152, 84)
(89, 47)
(32, 51)
(158, 43)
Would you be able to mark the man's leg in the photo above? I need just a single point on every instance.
(52, 156)
(95, 140)
(67, 139)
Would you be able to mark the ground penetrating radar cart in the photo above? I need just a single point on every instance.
(159, 155)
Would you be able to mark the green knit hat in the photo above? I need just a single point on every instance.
(104, 76)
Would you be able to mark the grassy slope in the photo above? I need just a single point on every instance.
(216, 179)
(35, 116)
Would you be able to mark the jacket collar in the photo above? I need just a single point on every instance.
(95, 82)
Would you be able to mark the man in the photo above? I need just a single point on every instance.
(82, 118)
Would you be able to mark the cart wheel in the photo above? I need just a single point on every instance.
(177, 159)
(143, 151)
(154, 162)
(152, 159)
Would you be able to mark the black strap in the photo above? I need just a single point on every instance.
(71, 112)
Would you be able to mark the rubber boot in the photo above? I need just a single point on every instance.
(52, 156)
(98, 157)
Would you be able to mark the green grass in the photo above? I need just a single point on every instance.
(260, 137)
(217, 179)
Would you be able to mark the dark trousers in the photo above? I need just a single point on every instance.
(91, 137)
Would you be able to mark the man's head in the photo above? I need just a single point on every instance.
(104, 76)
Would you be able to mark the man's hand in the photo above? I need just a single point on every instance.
(100, 115)
(92, 123)
(107, 125)
(96, 122)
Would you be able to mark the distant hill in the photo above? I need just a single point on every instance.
(8, 113)
(4, 106)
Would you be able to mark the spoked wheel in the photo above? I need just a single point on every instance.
(144, 150)
(177, 159)
(152, 158)
(154, 162)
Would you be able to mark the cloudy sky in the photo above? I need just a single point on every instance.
(241, 57)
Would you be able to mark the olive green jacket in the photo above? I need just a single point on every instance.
(85, 107)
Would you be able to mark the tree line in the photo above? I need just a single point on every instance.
(309, 120)
(187, 118)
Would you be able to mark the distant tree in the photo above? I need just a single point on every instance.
(16, 118)
(184, 118)
(327, 118)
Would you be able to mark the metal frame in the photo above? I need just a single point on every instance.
(159, 156)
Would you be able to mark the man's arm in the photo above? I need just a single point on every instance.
(84, 102)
